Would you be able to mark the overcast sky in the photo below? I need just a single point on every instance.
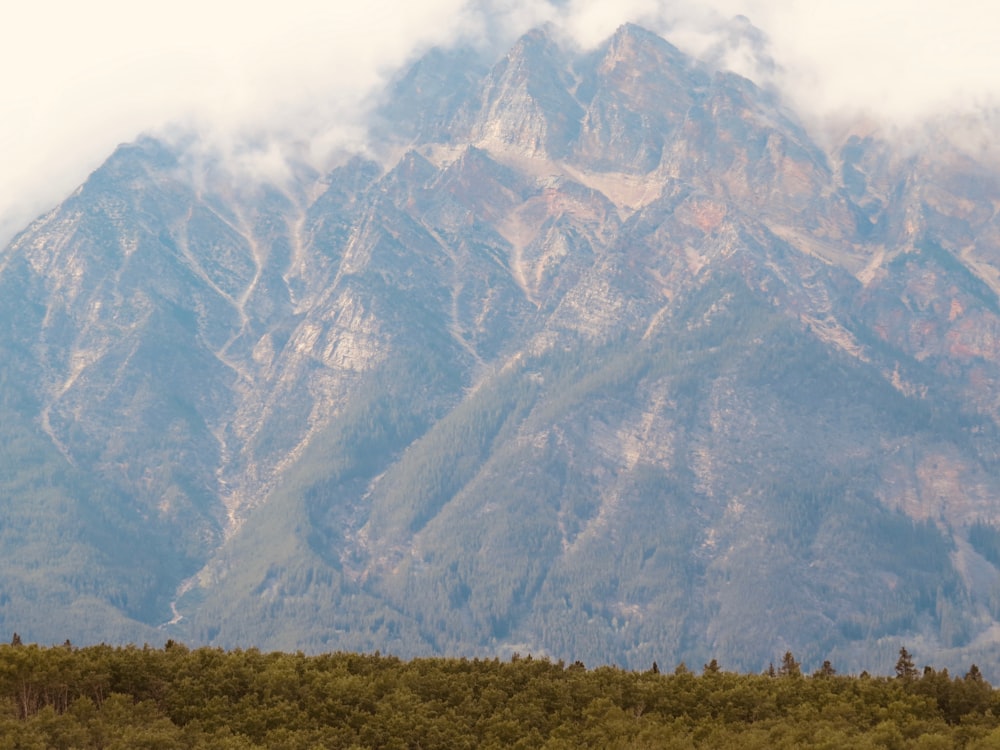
(80, 78)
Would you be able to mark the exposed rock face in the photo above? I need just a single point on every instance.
(614, 364)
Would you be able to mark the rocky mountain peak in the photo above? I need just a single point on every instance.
(637, 93)
(526, 104)
(613, 363)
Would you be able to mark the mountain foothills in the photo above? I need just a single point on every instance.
(611, 361)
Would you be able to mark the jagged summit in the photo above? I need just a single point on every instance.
(613, 363)
(525, 102)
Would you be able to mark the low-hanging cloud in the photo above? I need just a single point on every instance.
(79, 78)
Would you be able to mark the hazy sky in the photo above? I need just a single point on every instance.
(79, 78)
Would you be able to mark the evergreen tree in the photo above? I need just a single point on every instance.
(904, 665)
(826, 670)
(789, 667)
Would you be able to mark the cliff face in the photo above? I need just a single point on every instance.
(614, 363)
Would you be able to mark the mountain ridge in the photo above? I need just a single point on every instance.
(613, 363)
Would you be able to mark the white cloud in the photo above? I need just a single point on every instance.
(894, 59)
(79, 78)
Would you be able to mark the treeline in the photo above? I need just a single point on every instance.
(110, 697)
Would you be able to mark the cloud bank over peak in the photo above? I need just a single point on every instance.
(254, 77)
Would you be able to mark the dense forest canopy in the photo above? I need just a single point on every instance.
(115, 697)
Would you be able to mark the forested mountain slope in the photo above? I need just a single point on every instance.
(613, 362)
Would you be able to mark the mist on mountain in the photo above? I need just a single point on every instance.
(590, 352)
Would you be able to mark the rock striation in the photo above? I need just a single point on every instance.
(612, 362)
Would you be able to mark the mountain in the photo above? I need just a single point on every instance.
(611, 361)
